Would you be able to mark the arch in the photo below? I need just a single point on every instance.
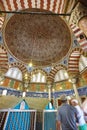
(80, 37)
(38, 75)
(82, 63)
(54, 70)
(56, 6)
(1, 21)
(20, 66)
(2, 17)
(14, 73)
(61, 75)
(3, 58)
(73, 64)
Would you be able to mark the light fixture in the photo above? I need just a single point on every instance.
(26, 76)
(9, 65)
(53, 90)
(18, 88)
(60, 88)
(27, 90)
(70, 80)
(45, 90)
(1, 82)
(30, 64)
(26, 81)
(66, 74)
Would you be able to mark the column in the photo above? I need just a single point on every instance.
(75, 90)
(49, 92)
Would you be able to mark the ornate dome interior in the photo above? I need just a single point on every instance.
(37, 37)
(51, 35)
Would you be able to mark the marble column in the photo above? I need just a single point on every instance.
(49, 92)
(73, 80)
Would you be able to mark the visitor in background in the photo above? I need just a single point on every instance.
(66, 115)
(84, 108)
(81, 122)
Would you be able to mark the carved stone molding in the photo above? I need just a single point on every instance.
(79, 12)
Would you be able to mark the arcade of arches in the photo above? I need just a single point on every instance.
(52, 35)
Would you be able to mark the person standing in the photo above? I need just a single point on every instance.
(84, 108)
(66, 118)
(81, 123)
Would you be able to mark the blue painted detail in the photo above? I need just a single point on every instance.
(11, 59)
(49, 120)
(10, 91)
(47, 69)
(19, 120)
(76, 42)
(1, 39)
(65, 61)
(49, 106)
(30, 69)
(23, 102)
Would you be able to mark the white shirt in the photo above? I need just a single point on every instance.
(84, 106)
(80, 115)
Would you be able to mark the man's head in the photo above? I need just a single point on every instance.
(63, 98)
(74, 102)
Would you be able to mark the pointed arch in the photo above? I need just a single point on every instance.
(56, 6)
(73, 64)
(80, 37)
(53, 72)
(14, 73)
(20, 66)
(3, 58)
(82, 63)
(38, 75)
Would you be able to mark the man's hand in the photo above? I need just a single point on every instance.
(58, 125)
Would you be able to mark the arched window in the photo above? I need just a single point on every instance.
(82, 63)
(61, 75)
(38, 77)
(14, 73)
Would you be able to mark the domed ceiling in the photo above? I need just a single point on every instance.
(44, 39)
